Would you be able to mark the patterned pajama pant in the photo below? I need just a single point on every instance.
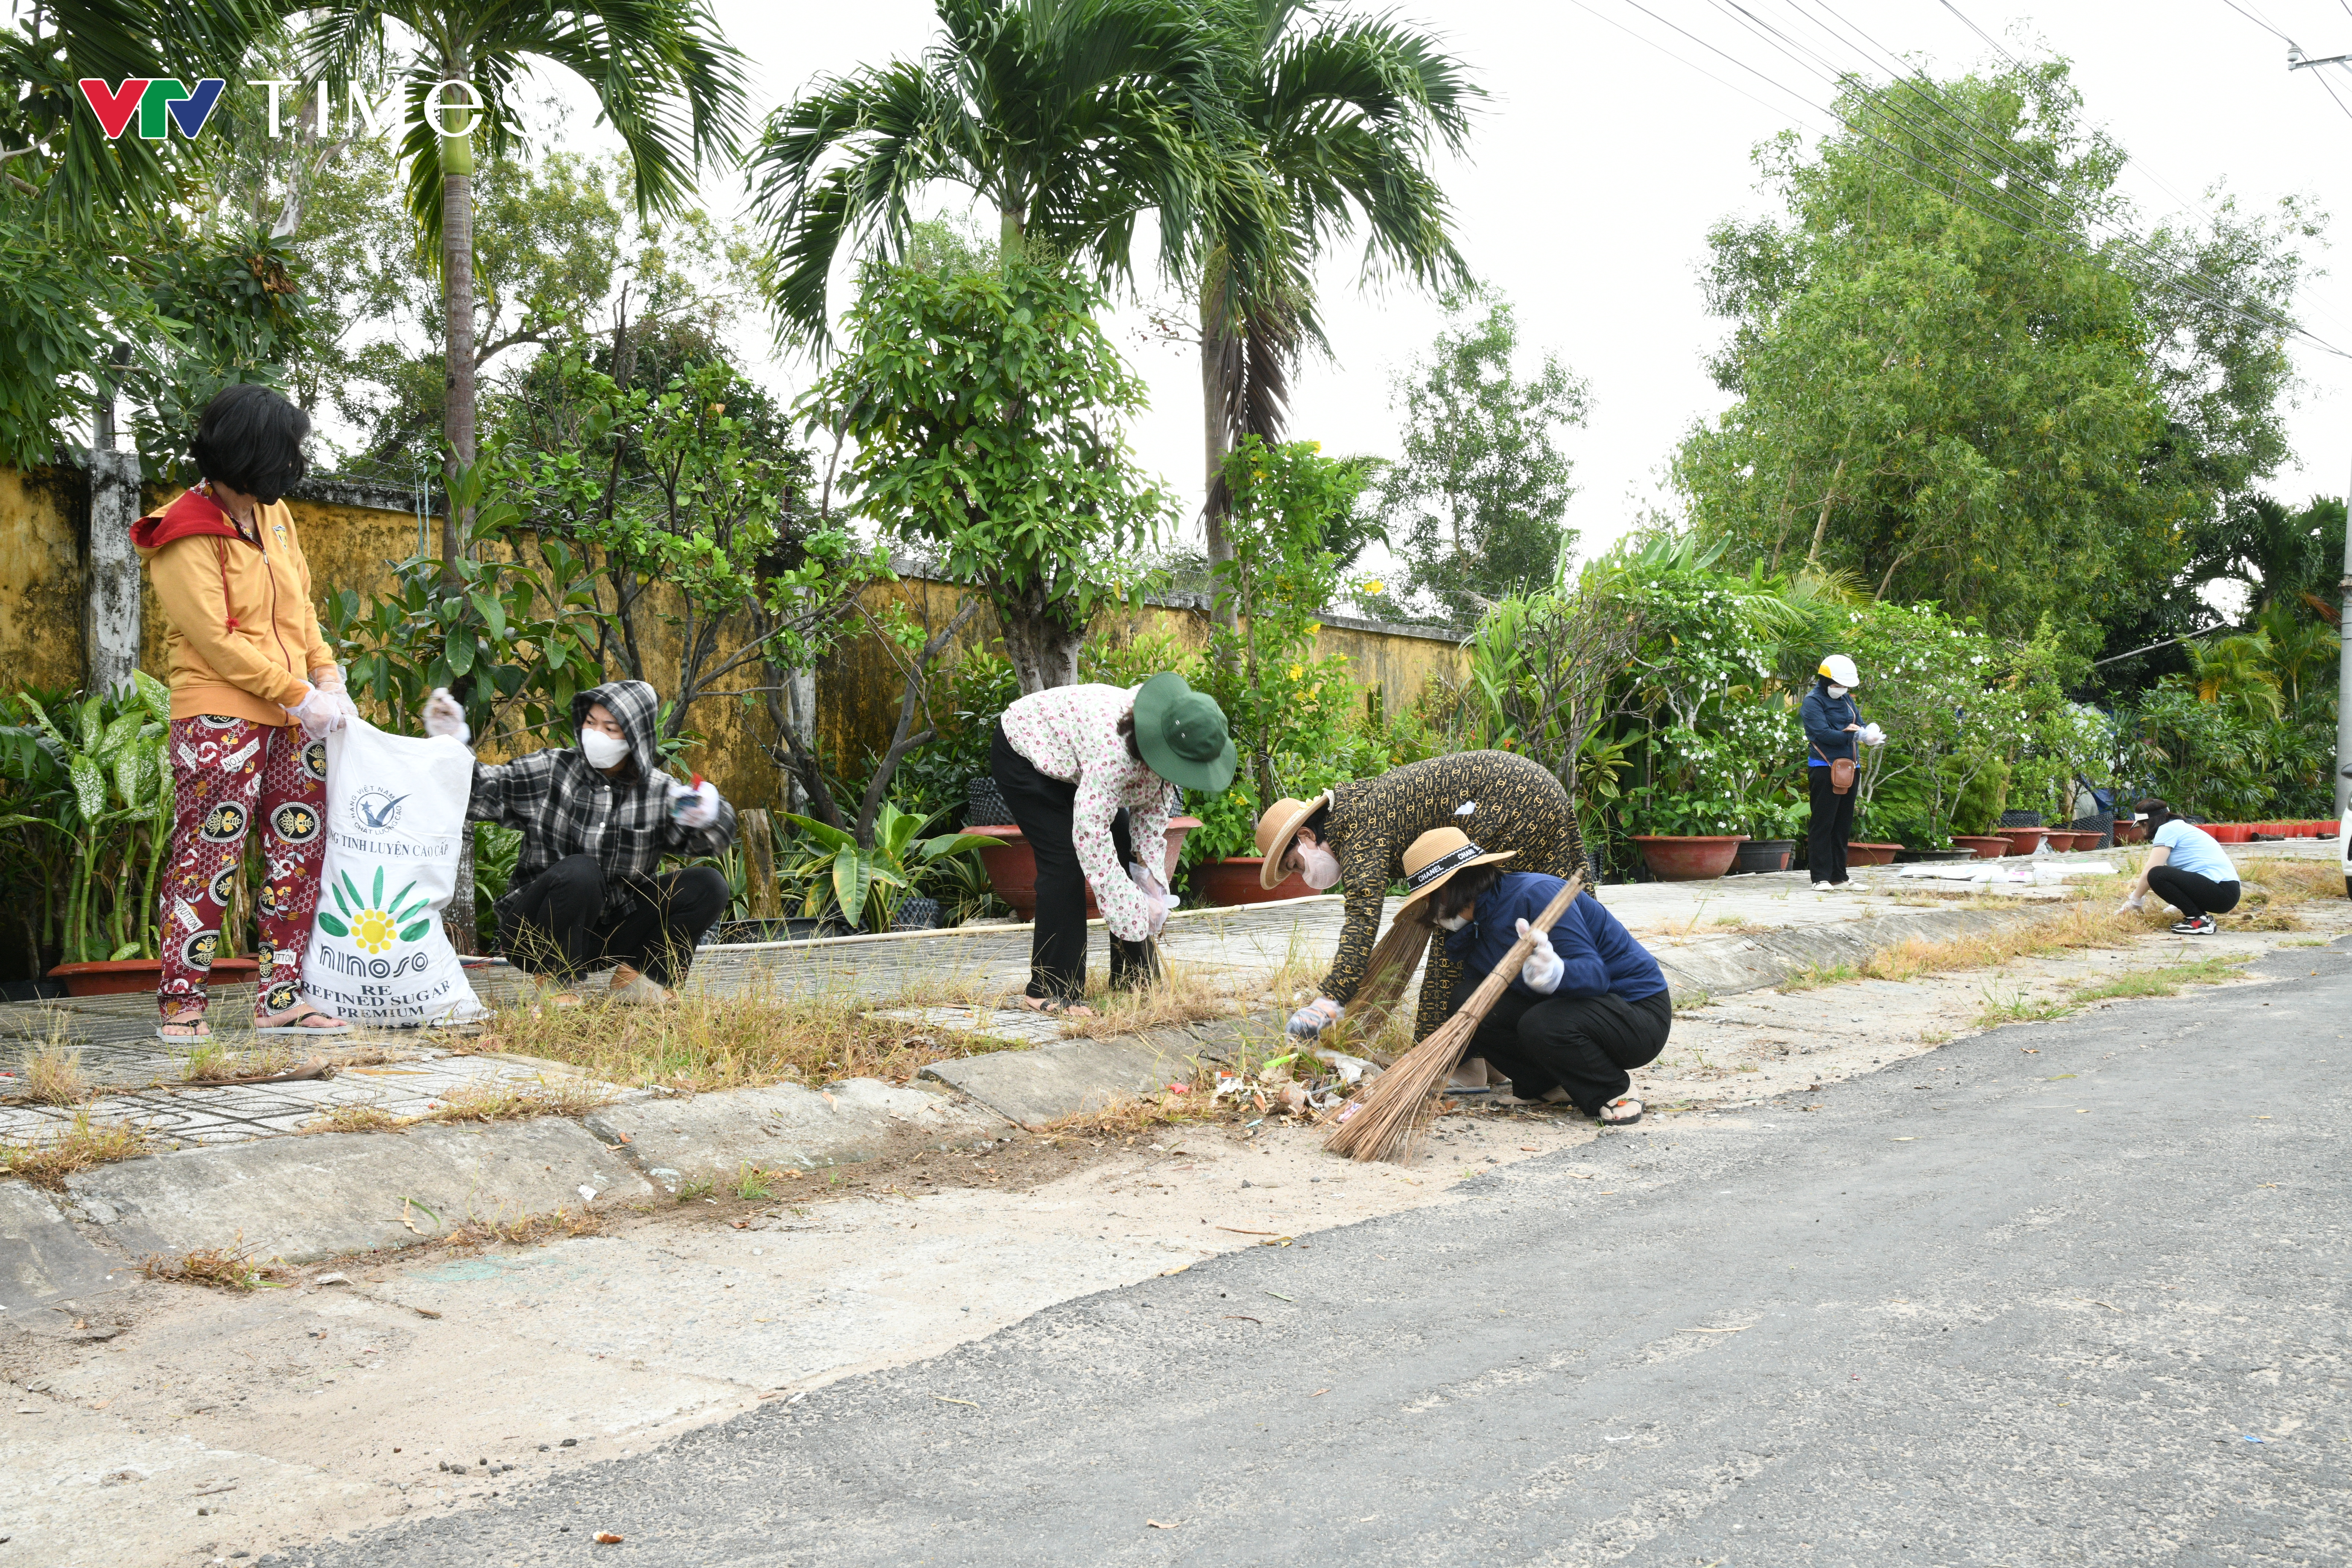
(225, 770)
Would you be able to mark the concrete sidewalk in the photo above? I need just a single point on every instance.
(327, 1194)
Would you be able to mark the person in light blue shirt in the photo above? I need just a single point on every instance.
(2185, 868)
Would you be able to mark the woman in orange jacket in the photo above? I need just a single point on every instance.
(254, 690)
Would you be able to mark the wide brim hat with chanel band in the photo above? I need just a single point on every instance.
(1181, 734)
(1431, 860)
(1276, 829)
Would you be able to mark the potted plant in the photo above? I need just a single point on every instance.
(866, 886)
(1773, 827)
(1691, 846)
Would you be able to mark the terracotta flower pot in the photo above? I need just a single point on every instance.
(1233, 880)
(129, 976)
(2229, 832)
(2131, 832)
(2024, 840)
(1871, 854)
(1689, 857)
(1987, 845)
(1012, 866)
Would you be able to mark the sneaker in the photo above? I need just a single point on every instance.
(2202, 925)
(1824, 887)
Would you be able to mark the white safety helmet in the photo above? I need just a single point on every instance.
(1840, 670)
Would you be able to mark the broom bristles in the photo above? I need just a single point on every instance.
(1386, 1124)
(1392, 965)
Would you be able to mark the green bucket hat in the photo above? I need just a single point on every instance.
(1181, 734)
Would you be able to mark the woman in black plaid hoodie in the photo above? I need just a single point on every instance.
(596, 820)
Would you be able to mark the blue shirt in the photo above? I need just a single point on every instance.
(1825, 719)
(1600, 956)
(2194, 851)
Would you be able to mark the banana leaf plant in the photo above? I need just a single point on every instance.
(881, 875)
(116, 815)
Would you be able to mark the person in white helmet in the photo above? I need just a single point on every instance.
(1834, 734)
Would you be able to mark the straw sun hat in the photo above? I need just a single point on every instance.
(1431, 860)
(1277, 826)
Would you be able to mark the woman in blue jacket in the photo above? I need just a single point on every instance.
(1589, 1005)
(1832, 723)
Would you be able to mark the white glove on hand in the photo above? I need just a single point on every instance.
(2131, 903)
(320, 713)
(1315, 1017)
(1872, 735)
(693, 806)
(1158, 900)
(445, 715)
(1544, 967)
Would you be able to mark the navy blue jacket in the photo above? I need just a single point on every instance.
(1825, 718)
(1601, 955)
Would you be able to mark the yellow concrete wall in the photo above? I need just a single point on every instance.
(356, 546)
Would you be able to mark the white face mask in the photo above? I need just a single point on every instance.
(601, 751)
(1319, 867)
(1452, 922)
(1839, 691)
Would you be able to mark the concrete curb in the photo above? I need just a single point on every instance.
(1727, 965)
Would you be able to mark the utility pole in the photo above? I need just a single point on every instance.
(2297, 60)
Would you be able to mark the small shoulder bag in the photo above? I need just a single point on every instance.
(1840, 773)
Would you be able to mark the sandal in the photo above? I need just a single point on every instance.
(299, 1023)
(1614, 1114)
(199, 1032)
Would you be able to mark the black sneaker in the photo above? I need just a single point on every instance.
(2202, 925)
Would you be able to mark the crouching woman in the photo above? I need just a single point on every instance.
(596, 819)
(1590, 1003)
(2187, 869)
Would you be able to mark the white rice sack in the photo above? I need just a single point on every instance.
(395, 813)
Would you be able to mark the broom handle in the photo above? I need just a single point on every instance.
(1507, 969)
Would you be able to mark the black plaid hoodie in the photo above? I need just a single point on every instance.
(562, 807)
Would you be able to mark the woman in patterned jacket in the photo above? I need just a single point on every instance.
(1357, 832)
(1090, 772)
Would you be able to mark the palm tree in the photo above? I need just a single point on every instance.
(1071, 118)
(671, 90)
(1344, 114)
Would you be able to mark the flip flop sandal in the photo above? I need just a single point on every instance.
(296, 1024)
(202, 1036)
(1055, 1007)
(1608, 1120)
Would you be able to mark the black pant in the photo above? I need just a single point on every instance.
(2191, 894)
(1832, 826)
(1582, 1044)
(556, 925)
(1057, 949)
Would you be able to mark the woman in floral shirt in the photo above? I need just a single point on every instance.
(1090, 772)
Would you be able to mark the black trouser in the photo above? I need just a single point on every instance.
(556, 925)
(1833, 824)
(1582, 1044)
(1057, 949)
(2191, 894)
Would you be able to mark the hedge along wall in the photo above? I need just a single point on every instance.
(353, 539)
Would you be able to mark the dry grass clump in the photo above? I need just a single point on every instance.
(1181, 994)
(527, 1228)
(52, 1075)
(210, 1061)
(231, 1267)
(85, 1143)
(500, 1099)
(2285, 878)
(709, 1042)
(2077, 925)
(358, 1118)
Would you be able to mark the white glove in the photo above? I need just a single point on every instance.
(445, 715)
(1158, 900)
(321, 713)
(693, 806)
(2132, 902)
(1543, 968)
(328, 679)
(1315, 1017)
(1872, 735)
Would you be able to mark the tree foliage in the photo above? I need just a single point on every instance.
(1477, 506)
(984, 412)
(1947, 385)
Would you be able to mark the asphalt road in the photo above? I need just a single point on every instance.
(2033, 1309)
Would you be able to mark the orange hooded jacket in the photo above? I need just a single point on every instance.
(242, 636)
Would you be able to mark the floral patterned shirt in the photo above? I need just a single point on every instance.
(1071, 733)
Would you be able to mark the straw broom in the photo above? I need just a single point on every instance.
(1386, 1122)
(1394, 959)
